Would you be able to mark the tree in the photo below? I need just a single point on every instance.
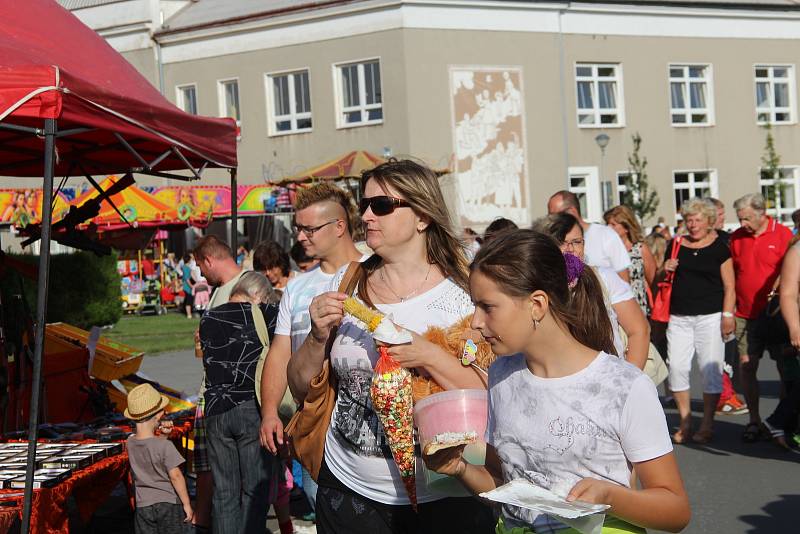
(770, 170)
(637, 194)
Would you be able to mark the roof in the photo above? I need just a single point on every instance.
(71, 74)
(81, 4)
(202, 13)
(210, 12)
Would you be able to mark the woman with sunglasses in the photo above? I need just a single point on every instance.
(419, 275)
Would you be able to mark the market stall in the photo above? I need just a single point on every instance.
(65, 91)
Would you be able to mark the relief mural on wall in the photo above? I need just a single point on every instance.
(489, 137)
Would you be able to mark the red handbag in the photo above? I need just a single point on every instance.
(660, 311)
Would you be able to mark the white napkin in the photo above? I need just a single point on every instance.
(583, 517)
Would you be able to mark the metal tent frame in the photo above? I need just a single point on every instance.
(78, 161)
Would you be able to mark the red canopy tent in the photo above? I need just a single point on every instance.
(70, 104)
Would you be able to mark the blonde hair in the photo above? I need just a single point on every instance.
(625, 217)
(326, 192)
(699, 206)
(419, 186)
(657, 244)
(254, 285)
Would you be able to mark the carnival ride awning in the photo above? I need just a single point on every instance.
(71, 105)
(346, 167)
(135, 208)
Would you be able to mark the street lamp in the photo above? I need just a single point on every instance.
(602, 141)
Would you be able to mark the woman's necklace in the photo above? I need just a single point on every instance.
(696, 251)
(403, 299)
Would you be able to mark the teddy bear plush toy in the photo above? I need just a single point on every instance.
(463, 343)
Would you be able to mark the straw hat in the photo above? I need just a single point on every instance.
(144, 401)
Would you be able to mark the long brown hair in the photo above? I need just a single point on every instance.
(523, 261)
(419, 186)
(624, 216)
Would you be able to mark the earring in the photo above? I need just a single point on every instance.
(535, 324)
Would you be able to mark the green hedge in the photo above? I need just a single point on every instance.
(84, 289)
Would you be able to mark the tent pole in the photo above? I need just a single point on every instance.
(41, 315)
(234, 213)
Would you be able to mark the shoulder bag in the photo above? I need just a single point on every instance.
(660, 311)
(288, 406)
(307, 430)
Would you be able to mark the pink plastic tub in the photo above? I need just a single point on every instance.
(459, 410)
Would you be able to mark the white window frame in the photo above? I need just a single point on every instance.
(594, 207)
(362, 96)
(686, 80)
(293, 116)
(771, 110)
(621, 188)
(596, 110)
(778, 212)
(179, 97)
(712, 181)
(223, 112)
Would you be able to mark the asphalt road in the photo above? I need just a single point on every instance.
(734, 487)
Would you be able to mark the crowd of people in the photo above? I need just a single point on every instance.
(566, 306)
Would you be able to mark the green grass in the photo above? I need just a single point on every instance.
(155, 333)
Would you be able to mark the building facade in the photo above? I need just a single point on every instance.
(515, 97)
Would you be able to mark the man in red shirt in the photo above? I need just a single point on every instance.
(757, 249)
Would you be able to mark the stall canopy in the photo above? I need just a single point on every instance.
(71, 105)
(110, 117)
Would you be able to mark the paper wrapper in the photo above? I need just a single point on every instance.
(380, 326)
(583, 517)
(391, 399)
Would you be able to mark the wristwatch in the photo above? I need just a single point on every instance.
(727, 314)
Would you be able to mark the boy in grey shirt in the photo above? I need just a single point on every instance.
(162, 501)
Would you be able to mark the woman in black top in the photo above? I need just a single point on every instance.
(701, 314)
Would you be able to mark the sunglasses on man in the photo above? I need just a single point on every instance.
(382, 205)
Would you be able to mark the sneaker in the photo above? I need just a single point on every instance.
(732, 406)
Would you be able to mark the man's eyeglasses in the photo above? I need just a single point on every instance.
(311, 230)
(575, 243)
(382, 205)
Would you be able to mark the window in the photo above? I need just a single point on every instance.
(622, 187)
(229, 99)
(781, 192)
(690, 184)
(774, 94)
(599, 95)
(690, 95)
(360, 98)
(289, 103)
(187, 98)
(585, 183)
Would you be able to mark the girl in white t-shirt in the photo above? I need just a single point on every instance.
(563, 413)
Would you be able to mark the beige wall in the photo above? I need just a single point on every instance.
(733, 146)
(290, 154)
(145, 62)
(417, 116)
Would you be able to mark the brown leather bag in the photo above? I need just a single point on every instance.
(309, 426)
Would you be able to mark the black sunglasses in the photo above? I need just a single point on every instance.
(382, 205)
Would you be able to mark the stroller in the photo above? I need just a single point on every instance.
(151, 299)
